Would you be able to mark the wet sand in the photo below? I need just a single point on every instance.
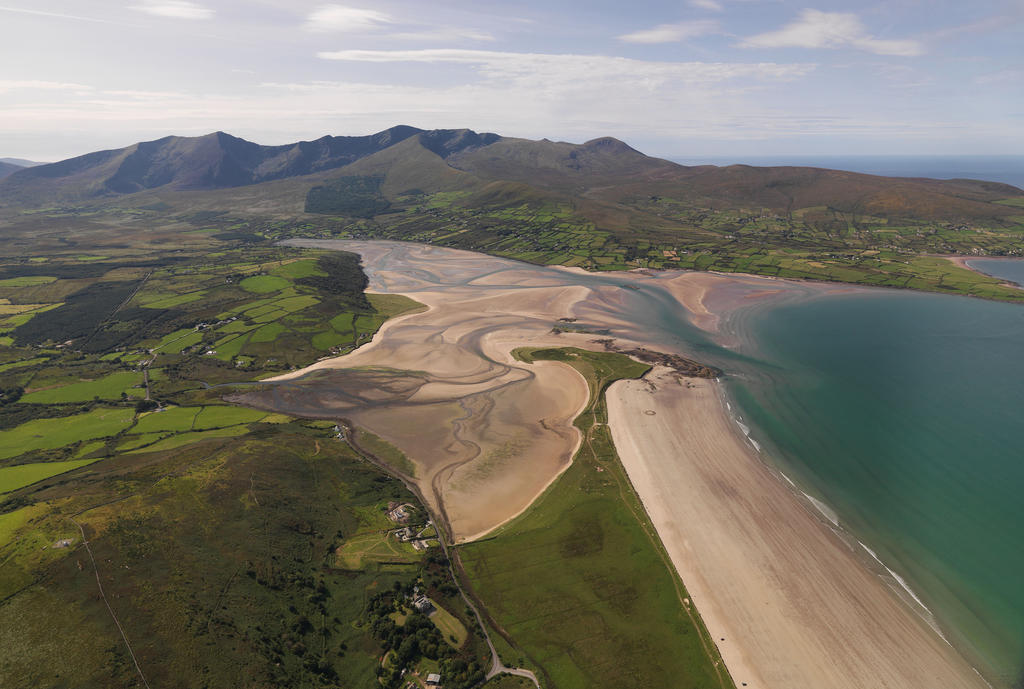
(789, 603)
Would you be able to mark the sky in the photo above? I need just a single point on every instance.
(688, 78)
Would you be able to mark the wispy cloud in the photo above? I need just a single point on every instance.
(175, 9)
(550, 68)
(816, 29)
(671, 33)
(442, 35)
(341, 18)
(345, 19)
(712, 5)
(56, 15)
(1006, 76)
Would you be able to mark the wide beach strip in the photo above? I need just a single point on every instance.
(787, 602)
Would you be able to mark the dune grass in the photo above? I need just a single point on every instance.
(580, 583)
(384, 451)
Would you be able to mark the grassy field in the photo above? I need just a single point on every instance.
(182, 439)
(237, 594)
(48, 434)
(215, 528)
(172, 419)
(580, 584)
(454, 632)
(109, 387)
(21, 475)
(809, 243)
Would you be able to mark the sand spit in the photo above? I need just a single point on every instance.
(787, 601)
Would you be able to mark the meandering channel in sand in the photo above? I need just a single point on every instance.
(790, 605)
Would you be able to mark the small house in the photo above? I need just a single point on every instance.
(433, 680)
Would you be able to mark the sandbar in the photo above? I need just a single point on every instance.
(785, 598)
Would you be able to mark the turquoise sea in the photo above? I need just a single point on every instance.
(904, 412)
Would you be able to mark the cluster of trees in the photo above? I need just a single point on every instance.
(10, 395)
(355, 197)
(344, 278)
(417, 637)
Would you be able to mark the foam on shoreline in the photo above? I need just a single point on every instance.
(809, 613)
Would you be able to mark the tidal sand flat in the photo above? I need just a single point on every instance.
(788, 602)
(487, 434)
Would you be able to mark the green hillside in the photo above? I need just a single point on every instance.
(600, 205)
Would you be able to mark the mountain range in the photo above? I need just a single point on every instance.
(604, 172)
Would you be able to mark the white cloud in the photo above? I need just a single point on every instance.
(816, 29)
(341, 18)
(175, 9)
(712, 5)
(670, 33)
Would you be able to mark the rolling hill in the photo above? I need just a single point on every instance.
(8, 169)
(600, 205)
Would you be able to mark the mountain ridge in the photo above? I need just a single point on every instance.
(603, 173)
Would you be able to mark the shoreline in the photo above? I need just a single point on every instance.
(712, 300)
(786, 598)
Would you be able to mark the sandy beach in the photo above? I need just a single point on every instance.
(787, 601)
(790, 604)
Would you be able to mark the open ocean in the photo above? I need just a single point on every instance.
(902, 412)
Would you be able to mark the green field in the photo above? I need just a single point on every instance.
(183, 439)
(23, 363)
(380, 547)
(108, 387)
(559, 582)
(454, 632)
(212, 590)
(298, 269)
(265, 284)
(21, 475)
(12, 521)
(28, 281)
(48, 434)
(173, 419)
